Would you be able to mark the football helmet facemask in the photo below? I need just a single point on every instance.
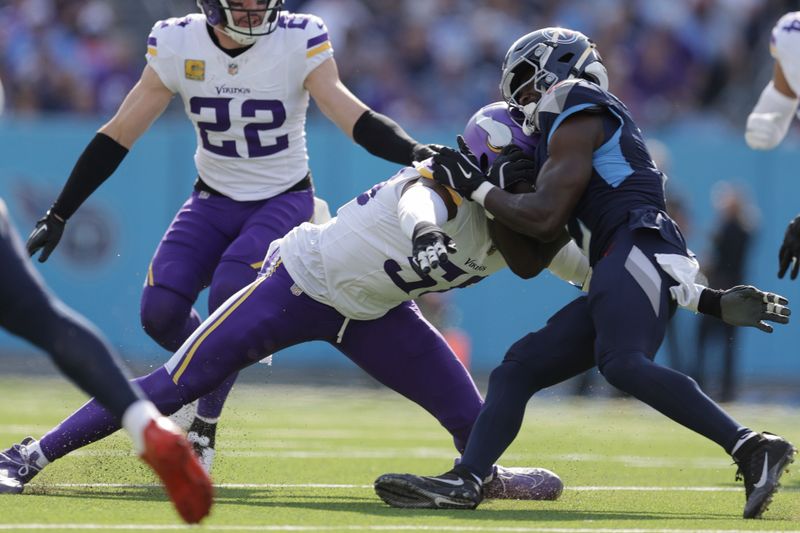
(544, 58)
(223, 14)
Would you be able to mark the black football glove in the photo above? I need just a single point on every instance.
(430, 246)
(790, 249)
(745, 305)
(45, 235)
(459, 169)
(512, 166)
(421, 152)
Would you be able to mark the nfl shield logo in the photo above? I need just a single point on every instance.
(233, 69)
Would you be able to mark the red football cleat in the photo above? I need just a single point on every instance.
(170, 455)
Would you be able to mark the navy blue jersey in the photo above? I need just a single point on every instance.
(624, 179)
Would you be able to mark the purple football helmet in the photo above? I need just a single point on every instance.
(493, 127)
(220, 13)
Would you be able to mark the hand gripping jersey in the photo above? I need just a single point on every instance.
(625, 182)
(785, 47)
(248, 111)
(360, 262)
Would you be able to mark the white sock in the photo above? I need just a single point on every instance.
(135, 420)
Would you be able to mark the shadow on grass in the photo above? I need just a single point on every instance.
(368, 504)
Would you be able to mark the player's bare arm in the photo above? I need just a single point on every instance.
(525, 256)
(334, 99)
(145, 102)
(560, 184)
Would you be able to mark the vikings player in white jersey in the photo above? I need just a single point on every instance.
(770, 119)
(244, 71)
(350, 282)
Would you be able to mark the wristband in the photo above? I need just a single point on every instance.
(711, 302)
(479, 194)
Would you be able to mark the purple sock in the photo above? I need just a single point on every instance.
(93, 422)
(210, 405)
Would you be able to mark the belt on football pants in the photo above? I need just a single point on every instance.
(302, 185)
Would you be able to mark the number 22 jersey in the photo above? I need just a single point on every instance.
(248, 111)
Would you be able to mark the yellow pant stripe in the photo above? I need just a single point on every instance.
(214, 326)
(150, 281)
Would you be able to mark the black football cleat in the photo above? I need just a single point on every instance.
(761, 464)
(447, 491)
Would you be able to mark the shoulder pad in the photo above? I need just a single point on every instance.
(566, 94)
(302, 22)
(177, 23)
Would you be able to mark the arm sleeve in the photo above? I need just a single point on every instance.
(420, 204)
(770, 119)
(98, 161)
(383, 137)
(571, 265)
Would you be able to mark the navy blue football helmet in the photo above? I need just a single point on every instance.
(220, 12)
(545, 57)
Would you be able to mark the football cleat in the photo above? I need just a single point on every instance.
(450, 490)
(518, 483)
(761, 463)
(18, 465)
(202, 436)
(170, 455)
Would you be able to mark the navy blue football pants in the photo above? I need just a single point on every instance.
(30, 311)
(618, 326)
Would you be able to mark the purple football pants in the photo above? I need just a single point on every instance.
(402, 350)
(213, 242)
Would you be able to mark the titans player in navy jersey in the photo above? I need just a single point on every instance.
(597, 178)
(29, 310)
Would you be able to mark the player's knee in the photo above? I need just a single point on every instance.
(622, 368)
(229, 278)
(163, 313)
(514, 378)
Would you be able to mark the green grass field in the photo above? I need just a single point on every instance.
(304, 459)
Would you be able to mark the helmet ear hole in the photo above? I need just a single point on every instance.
(211, 10)
(596, 73)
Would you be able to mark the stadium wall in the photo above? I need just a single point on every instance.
(101, 264)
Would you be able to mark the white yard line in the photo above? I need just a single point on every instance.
(397, 527)
(586, 488)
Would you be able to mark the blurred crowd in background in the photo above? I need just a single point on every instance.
(419, 61)
(427, 63)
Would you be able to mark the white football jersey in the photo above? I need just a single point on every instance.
(249, 111)
(360, 262)
(785, 47)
